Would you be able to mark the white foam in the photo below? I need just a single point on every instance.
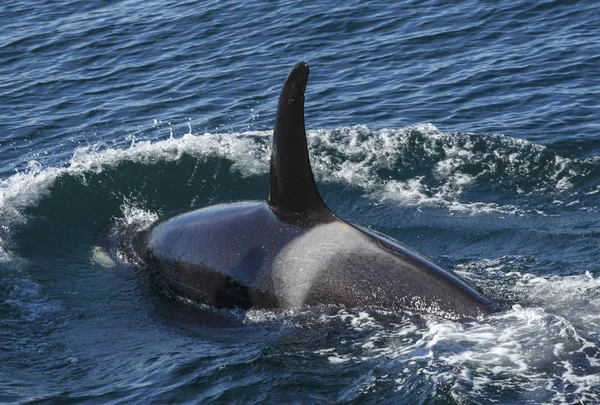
(25, 188)
(135, 216)
(362, 153)
(355, 156)
(366, 153)
(524, 350)
(575, 297)
(538, 349)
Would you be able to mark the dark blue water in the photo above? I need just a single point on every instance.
(468, 130)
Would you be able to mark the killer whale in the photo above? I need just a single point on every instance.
(292, 250)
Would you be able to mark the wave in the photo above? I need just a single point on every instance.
(545, 351)
(417, 166)
(526, 353)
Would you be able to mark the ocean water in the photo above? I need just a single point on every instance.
(468, 130)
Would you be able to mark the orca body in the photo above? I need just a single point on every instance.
(291, 250)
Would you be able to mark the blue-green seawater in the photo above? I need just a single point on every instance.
(468, 130)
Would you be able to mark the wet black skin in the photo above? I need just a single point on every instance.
(291, 250)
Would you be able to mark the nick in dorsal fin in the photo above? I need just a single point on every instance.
(292, 189)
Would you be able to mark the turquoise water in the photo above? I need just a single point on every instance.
(468, 130)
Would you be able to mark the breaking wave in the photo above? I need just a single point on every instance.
(417, 166)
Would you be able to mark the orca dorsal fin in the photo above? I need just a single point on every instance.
(292, 188)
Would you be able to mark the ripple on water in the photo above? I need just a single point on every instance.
(101, 101)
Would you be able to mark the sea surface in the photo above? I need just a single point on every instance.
(468, 130)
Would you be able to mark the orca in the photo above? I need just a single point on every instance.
(291, 250)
